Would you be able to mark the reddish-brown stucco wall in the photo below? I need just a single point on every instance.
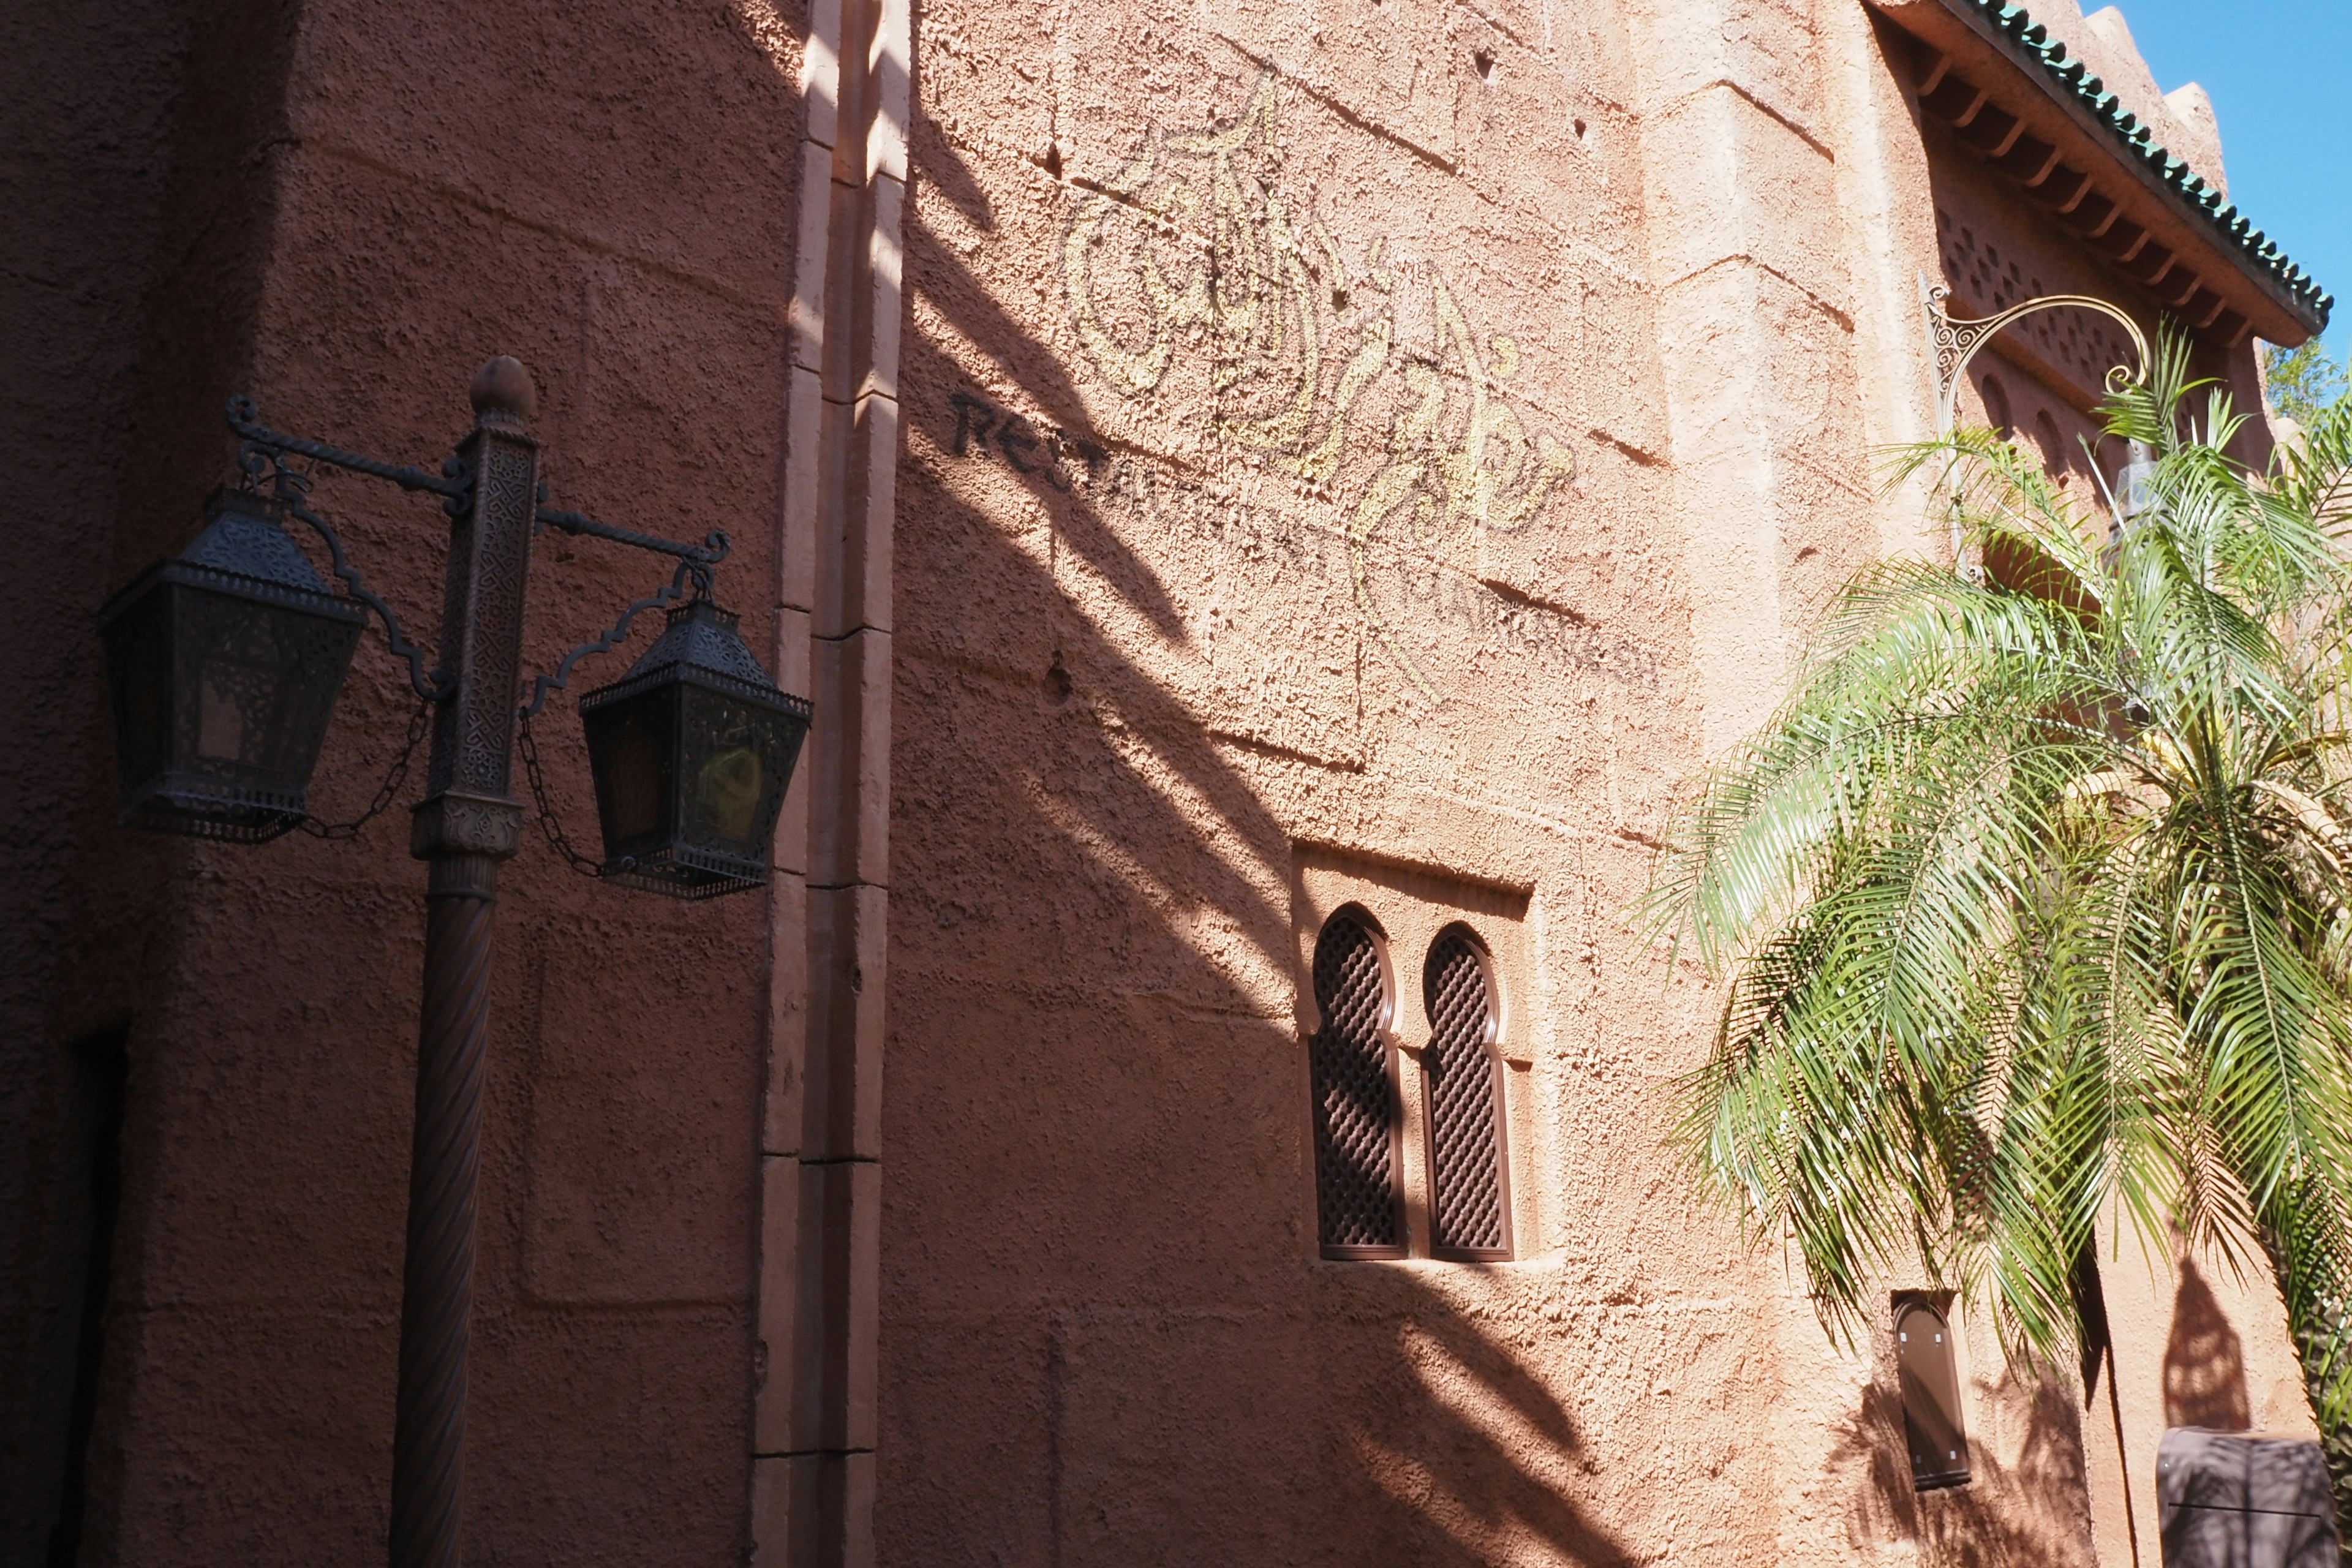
(361, 205)
(1131, 674)
(88, 102)
(1148, 654)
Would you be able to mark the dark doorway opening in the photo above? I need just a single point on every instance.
(101, 1071)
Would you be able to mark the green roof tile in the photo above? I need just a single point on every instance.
(2262, 252)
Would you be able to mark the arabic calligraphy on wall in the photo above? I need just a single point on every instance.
(1188, 265)
(1138, 486)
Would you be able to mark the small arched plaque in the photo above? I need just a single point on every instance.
(1933, 1430)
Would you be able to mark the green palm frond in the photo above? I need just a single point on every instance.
(2036, 899)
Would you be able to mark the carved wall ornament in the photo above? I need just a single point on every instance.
(1191, 254)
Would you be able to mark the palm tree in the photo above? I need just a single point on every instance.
(2036, 896)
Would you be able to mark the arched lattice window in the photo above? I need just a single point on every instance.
(1470, 1195)
(1357, 1185)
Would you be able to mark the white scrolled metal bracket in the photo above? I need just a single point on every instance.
(1956, 342)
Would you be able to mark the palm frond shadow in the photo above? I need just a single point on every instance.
(2011, 1514)
(1157, 1375)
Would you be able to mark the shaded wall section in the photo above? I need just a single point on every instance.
(90, 97)
(1151, 635)
(1211, 556)
(1198, 566)
(357, 208)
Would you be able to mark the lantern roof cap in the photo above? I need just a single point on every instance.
(242, 550)
(242, 537)
(700, 644)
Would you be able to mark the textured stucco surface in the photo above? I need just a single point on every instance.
(358, 206)
(89, 93)
(1484, 492)
(1206, 661)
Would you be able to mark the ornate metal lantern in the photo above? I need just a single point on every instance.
(691, 751)
(223, 665)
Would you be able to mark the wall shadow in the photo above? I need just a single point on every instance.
(1060, 467)
(1464, 1454)
(2204, 1361)
(1102, 1339)
(2031, 1512)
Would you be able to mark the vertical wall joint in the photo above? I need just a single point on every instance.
(813, 1470)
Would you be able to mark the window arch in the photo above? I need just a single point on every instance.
(1469, 1173)
(1996, 402)
(1358, 1181)
(2055, 456)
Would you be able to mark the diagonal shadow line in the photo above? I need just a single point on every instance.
(945, 171)
(1489, 1484)
(1490, 1489)
(950, 288)
(1104, 785)
(1179, 735)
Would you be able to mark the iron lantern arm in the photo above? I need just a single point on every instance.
(698, 558)
(1956, 341)
(542, 687)
(263, 458)
(453, 484)
(290, 486)
(695, 563)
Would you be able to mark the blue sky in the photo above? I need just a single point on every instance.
(2279, 73)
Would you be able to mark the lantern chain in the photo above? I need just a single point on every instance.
(548, 824)
(418, 723)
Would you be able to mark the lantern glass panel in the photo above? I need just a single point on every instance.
(692, 750)
(224, 665)
(731, 751)
(139, 671)
(631, 749)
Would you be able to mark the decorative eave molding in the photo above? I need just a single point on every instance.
(2009, 89)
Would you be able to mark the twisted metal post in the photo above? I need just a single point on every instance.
(437, 1306)
(465, 825)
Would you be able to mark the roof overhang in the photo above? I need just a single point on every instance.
(1996, 80)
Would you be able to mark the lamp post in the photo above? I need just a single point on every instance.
(223, 667)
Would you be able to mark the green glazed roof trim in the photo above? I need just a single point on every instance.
(2073, 75)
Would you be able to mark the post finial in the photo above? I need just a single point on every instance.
(503, 391)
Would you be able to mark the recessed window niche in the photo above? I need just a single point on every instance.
(1415, 1060)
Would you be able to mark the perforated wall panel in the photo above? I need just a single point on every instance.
(1469, 1208)
(1356, 1176)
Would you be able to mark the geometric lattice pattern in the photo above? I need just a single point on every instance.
(1356, 1176)
(1466, 1103)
